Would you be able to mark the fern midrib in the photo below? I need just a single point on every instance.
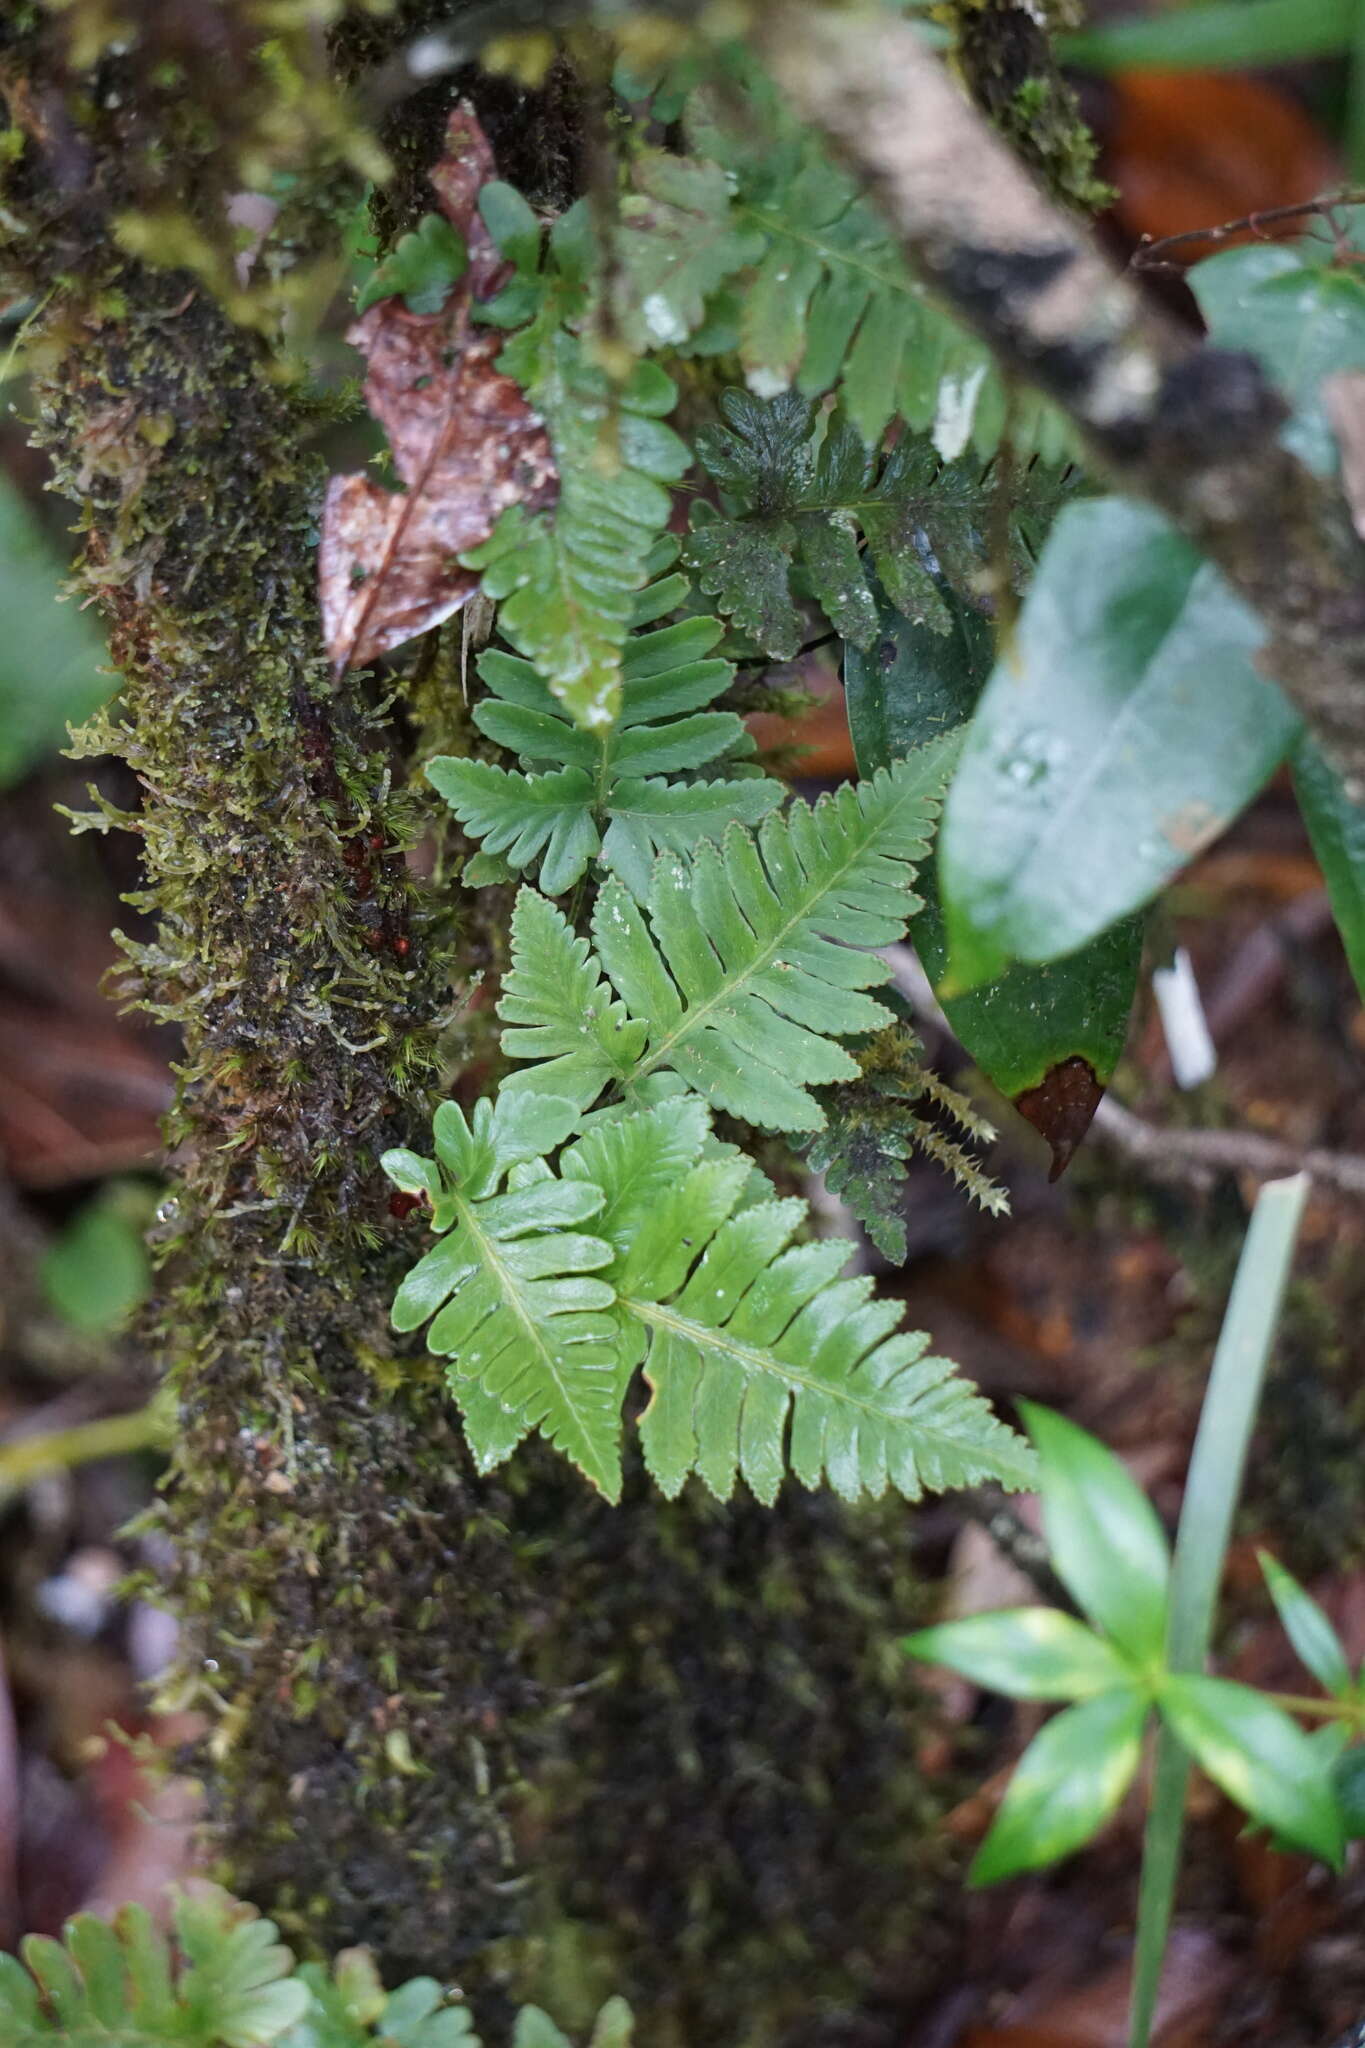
(707, 1337)
(695, 1016)
(507, 1280)
(775, 224)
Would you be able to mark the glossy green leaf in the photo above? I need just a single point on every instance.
(1227, 34)
(1050, 1035)
(1336, 827)
(1315, 1641)
(1047, 1037)
(1108, 1547)
(1124, 728)
(1303, 320)
(914, 681)
(1068, 1782)
(1029, 1653)
(50, 653)
(1259, 1757)
(1348, 1777)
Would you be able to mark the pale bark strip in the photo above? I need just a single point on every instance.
(1191, 428)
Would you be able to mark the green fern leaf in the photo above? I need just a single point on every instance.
(677, 243)
(830, 305)
(349, 2009)
(568, 579)
(752, 961)
(117, 1986)
(798, 493)
(599, 794)
(560, 1012)
(756, 954)
(757, 1353)
(874, 1125)
(511, 1288)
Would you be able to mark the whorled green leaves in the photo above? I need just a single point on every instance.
(760, 1358)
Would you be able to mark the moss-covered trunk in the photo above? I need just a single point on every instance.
(501, 1732)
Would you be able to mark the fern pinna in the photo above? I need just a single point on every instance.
(223, 1980)
(717, 949)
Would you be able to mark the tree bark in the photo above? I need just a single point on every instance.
(500, 1732)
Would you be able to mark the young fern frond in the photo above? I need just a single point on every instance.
(758, 1355)
(512, 1286)
(569, 578)
(753, 958)
(800, 493)
(230, 1986)
(602, 794)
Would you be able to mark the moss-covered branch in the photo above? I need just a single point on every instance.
(502, 1733)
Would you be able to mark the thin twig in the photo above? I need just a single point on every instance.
(1195, 1158)
(1145, 256)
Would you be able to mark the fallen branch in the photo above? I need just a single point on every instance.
(1191, 428)
(1194, 1158)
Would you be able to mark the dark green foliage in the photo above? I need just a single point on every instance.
(876, 1122)
(421, 270)
(798, 494)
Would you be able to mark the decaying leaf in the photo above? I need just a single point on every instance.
(464, 441)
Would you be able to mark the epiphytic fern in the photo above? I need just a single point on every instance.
(569, 578)
(798, 491)
(757, 1354)
(511, 1287)
(224, 1981)
(605, 793)
(752, 961)
(760, 218)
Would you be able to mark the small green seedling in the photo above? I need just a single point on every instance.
(1110, 1552)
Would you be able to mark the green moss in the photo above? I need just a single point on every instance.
(1006, 57)
(500, 1732)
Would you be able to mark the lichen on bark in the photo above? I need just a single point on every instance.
(500, 1732)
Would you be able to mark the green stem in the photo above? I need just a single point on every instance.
(1211, 1492)
(112, 1436)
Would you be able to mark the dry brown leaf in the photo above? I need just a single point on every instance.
(464, 441)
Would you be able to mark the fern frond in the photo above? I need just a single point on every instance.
(229, 1987)
(678, 243)
(561, 1013)
(829, 304)
(600, 793)
(752, 960)
(511, 1286)
(569, 578)
(225, 1982)
(873, 1128)
(757, 1353)
(799, 492)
